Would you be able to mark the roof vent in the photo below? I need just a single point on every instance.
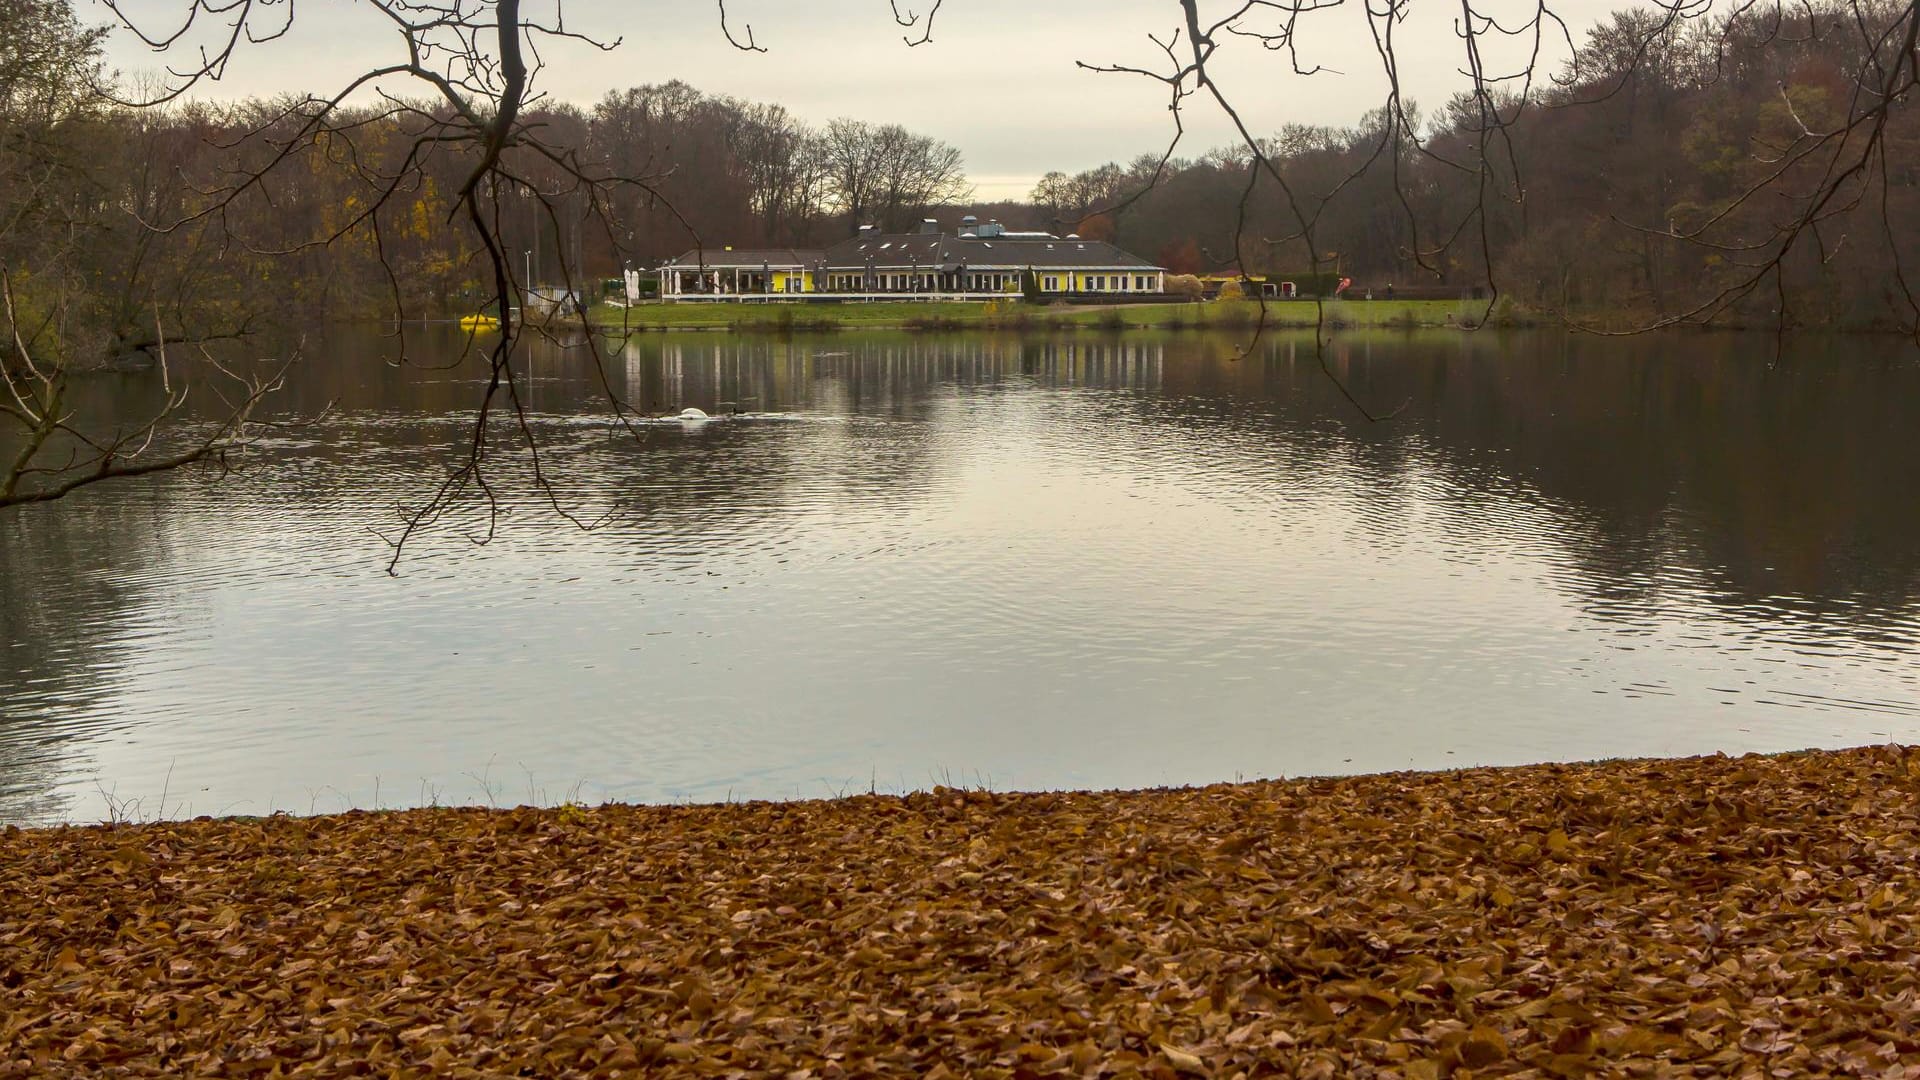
(929, 227)
(1073, 236)
(867, 232)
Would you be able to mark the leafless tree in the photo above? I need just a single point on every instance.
(60, 314)
(59, 452)
(887, 173)
(460, 84)
(1819, 175)
(463, 78)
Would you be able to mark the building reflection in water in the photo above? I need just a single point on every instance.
(1576, 517)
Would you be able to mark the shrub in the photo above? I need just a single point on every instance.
(1030, 288)
(1186, 286)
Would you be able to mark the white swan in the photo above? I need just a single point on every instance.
(693, 414)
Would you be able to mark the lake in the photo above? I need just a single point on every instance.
(1086, 560)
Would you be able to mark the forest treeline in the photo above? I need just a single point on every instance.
(1669, 163)
(120, 226)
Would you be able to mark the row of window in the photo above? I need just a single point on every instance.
(1104, 283)
(988, 282)
(1119, 283)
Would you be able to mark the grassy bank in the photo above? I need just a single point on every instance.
(1698, 917)
(1013, 315)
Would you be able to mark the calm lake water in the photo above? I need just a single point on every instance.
(1086, 561)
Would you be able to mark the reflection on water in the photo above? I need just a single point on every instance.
(1073, 561)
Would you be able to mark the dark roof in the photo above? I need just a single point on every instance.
(916, 249)
(752, 258)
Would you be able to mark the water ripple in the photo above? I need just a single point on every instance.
(1070, 562)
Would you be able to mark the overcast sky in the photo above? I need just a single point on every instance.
(998, 79)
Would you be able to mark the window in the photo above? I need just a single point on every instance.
(1051, 284)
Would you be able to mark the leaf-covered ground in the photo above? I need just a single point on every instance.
(1699, 917)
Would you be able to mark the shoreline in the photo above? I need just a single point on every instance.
(1707, 915)
(1235, 316)
(1019, 317)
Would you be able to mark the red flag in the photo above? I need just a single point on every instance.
(1344, 282)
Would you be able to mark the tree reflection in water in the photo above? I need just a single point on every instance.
(913, 527)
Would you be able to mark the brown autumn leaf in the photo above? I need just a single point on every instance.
(1482, 1047)
(1707, 916)
(1184, 1061)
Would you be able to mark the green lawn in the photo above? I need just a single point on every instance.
(1288, 313)
(1017, 315)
